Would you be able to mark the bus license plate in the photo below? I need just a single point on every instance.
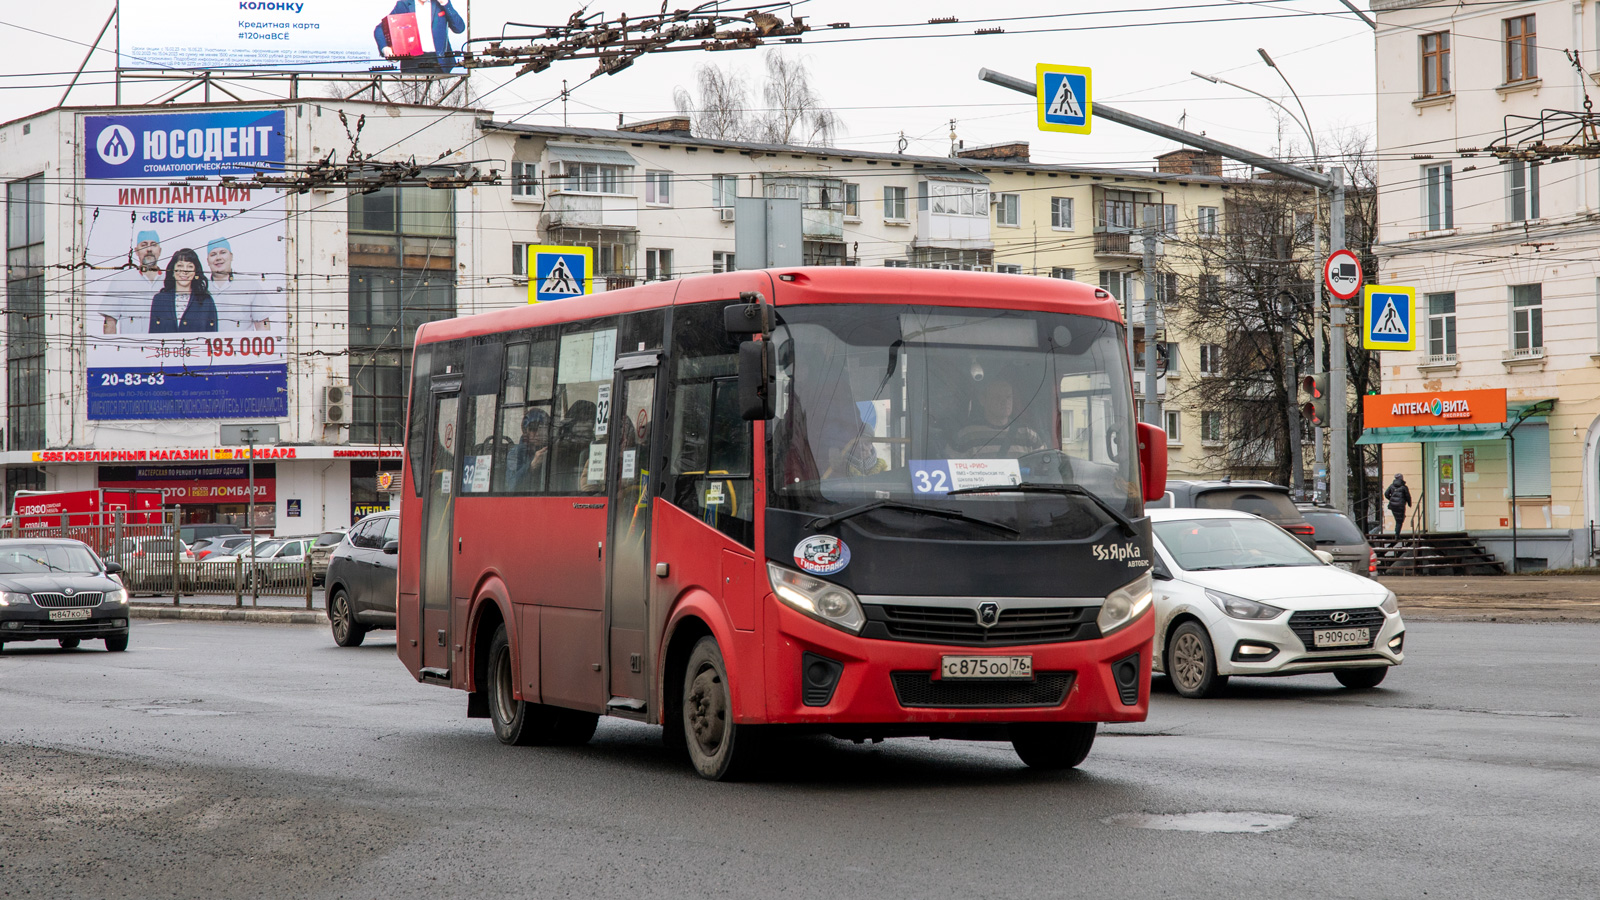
(987, 668)
(1341, 637)
(68, 615)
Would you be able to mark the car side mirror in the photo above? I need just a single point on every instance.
(1152, 461)
(113, 568)
(392, 548)
(1160, 572)
(1325, 556)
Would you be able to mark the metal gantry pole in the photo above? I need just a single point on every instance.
(250, 514)
(1338, 402)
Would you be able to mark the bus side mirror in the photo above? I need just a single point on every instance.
(757, 374)
(1152, 461)
(753, 316)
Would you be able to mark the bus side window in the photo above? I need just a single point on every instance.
(479, 440)
(710, 452)
(417, 440)
(522, 460)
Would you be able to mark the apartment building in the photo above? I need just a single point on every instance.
(1504, 253)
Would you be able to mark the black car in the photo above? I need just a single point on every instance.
(59, 590)
(1259, 498)
(361, 579)
(1341, 538)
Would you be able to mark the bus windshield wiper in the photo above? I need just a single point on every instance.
(825, 521)
(1074, 490)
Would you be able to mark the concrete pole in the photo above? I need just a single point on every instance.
(1338, 403)
(1152, 403)
(1319, 466)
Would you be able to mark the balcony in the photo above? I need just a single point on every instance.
(565, 210)
(822, 224)
(1530, 357)
(1120, 244)
(1439, 362)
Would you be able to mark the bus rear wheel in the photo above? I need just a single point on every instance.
(719, 748)
(524, 724)
(1053, 745)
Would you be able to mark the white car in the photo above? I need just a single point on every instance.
(1237, 595)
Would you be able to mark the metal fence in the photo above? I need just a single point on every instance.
(151, 554)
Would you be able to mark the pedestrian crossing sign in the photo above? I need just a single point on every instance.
(556, 273)
(1388, 318)
(1063, 95)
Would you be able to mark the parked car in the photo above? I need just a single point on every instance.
(1260, 498)
(147, 563)
(361, 579)
(59, 590)
(280, 561)
(1237, 595)
(1342, 539)
(322, 551)
(216, 548)
(192, 533)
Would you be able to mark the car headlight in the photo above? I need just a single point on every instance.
(821, 600)
(11, 598)
(1126, 604)
(1390, 604)
(117, 596)
(1240, 608)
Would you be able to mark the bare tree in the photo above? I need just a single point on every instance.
(409, 91)
(792, 111)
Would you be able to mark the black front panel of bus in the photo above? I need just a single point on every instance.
(907, 565)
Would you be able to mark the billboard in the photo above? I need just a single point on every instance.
(409, 36)
(185, 295)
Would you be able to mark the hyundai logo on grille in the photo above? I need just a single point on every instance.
(1339, 617)
(988, 614)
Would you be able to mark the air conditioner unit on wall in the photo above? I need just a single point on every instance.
(725, 213)
(336, 404)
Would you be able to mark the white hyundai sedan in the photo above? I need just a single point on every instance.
(1237, 595)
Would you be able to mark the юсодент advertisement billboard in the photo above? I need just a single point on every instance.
(185, 294)
(406, 36)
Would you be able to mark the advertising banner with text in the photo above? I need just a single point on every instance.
(407, 36)
(185, 293)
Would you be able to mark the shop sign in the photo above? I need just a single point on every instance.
(198, 484)
(1479, 407)
(294, 509)
(1469, 460)
(359, 511)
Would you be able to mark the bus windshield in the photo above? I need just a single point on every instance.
(906, 404)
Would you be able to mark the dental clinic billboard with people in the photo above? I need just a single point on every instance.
(185, 296)
(408, 36)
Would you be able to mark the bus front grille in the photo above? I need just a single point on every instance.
(946, 625)
(918, 690)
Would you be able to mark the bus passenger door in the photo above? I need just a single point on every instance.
(628, 576)
(438, 529)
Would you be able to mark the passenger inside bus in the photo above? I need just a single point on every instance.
(574, 434)
(834, 439)
(527, 460)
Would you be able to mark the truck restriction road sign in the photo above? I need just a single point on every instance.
(1342, 274)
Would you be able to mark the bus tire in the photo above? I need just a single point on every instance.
(1192, 662)
(1053, 745)
(1361, 679)
(347, 632)
(524, 724)
(719, 748)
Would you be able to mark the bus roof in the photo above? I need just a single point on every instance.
(802, 285)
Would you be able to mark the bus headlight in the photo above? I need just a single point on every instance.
(821, 600)
(1126, 604)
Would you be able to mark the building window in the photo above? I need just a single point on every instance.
(1061, 213)
(1436, 64)
(724, 189)
(1063, 273)
(1008, 268)
(1117, 209)
(897, 264)
(519, 260)
(1169, 218)
(1206, 219)
(1008, 210)
(894, 204)
(1533, 460)
(25, 341)
(1210, 427)
(657, 265)
(1520, 56)
(402, 274)
(524, 179)
(1522, 190)
(591, 178)
(722, 261)
(1527, 317)
(1442, 325)
(1210, 292)
(1120, 284)
(658, 188)
(1438, 197)
(950, 198)
(1210, 359)
(852, 200)
(1174, 425)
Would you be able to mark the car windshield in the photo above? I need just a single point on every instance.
(41, 559)
(267, 548)
(1334, 528)
(905, 404)
(330, 537)
(1199, 545)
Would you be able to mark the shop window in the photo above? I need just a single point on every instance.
(1532, 460)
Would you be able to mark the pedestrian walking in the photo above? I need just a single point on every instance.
(1399, 496)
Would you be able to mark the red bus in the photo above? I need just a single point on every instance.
(863, 502)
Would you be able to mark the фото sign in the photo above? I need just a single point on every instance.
(193, 484)
(1480, 407)
(185, 295)
(291, 35)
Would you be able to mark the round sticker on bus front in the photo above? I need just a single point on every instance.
(821, 554)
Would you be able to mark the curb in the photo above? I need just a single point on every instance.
(226, 614)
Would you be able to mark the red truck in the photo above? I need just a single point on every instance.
(90, 516)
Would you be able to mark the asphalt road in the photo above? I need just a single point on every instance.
(220, 760)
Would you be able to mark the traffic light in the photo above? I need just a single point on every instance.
(1316, 411)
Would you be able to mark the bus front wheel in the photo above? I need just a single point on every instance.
(1053, 745)
(719, 748)
(524, 724)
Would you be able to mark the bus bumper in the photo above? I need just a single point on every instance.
(881, 682)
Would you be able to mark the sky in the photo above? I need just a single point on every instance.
(889, 82)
